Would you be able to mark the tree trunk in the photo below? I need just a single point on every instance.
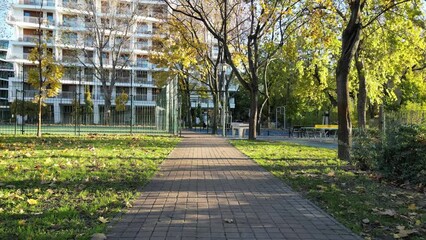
(39, 116)
(350, 41)
(362, 92)
(254, 97)
(188, 109)
(215, 113)
(107, 109)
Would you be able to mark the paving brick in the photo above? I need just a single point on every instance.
(207, 189)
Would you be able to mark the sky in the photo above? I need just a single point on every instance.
(5, 29)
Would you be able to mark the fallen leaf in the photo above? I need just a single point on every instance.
(366, 221)
(103, 220)
(32, 201)
(229, 220)
(412, 207)
(399, 227)
(22, 222)
(403, 233)
(418, 222)
(388, 212)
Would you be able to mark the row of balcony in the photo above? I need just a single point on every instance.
(51, 3)
(38, 3)
(30, 19)
(71, 95)
(128, 80)
(91, 78)
(140, 63)
(87, 42)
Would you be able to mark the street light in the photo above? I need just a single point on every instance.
(223, 67)
(131, 100)
(22, 104)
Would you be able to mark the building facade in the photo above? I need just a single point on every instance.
(6, 72)
(67, 26)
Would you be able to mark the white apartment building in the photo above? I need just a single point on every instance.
(6, 72)
(64, 17)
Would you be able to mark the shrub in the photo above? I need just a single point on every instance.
(404, 154)
(366, 149)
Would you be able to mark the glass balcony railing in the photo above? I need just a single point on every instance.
(46, 3)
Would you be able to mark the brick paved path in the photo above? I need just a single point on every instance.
(207, 189)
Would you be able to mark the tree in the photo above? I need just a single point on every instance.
(350, 39)
(242, 27)
(88, 102)
(187, 52)
(105, 46)
(46, 76)
(120, 101)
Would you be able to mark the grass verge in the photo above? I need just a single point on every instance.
(65, 187)
(359, 200)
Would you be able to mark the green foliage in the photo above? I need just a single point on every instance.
(88, 102)
(404, 154)
(366, 149)
(26, 108)
(120, 101)
(48, 83)
(62, 187)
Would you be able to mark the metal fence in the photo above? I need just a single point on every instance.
(406, 117)
(67, 113)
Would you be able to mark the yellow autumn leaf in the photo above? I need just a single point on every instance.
(418, 222)
(22, 222)
(412, 207)
(103, 220)
(32, 201)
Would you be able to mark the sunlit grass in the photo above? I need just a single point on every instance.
(357, 199)
(58, 187)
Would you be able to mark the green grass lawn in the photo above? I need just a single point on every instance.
(370, 207)
(64, 187)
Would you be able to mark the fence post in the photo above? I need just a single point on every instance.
(23, 110)
(16, 110)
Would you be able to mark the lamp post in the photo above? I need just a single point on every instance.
(23, 99)
(79, 99)
(223, 67)
(131, 101)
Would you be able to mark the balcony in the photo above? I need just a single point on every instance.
(141, 97)
(143, 31)
(88, 78)
(28, 38)
(105, 61)
(142, 46)
(33, 20)
(123, 79)
(70, 24)
(26, 56)
(71, 4)
(48, 3)
(69, 59)
(142, 63)
(142, 80)
(6, 65)
(66, 95)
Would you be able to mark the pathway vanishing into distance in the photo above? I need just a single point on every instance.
(207, 189)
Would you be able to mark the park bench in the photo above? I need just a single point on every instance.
(325, 129)
(240, 127)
